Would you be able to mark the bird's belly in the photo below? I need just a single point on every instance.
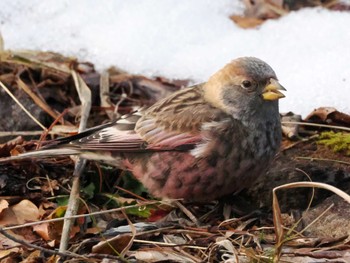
(181, 175)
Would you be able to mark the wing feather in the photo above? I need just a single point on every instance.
(171, 124)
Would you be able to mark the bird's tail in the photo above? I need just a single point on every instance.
(41, 154)
(105, 157)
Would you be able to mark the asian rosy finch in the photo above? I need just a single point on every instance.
(200, 143)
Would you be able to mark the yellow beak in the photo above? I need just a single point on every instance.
(272, 91)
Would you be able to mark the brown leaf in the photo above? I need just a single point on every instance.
(3, 205)
(7, 252)
(8, 217)
(111, 245)
(246, 22)
(329, 115)
(33, 257)
(25, 211)
(20, 213)
(42, 230)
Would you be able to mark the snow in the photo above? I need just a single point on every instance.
(309, 49)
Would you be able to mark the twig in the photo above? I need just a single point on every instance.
(73, 204)
(104, 91)
(130, 193)
(48, 251)
(79, 216)
(277, 219)
(22, 107)
(85, 98)
(38, 101)
(45, 133)
(303, 140)
(317, 125)
(26, 133)
(316, 219)
(321, 159)
(187, 213)
(163, 244)
(133, 232)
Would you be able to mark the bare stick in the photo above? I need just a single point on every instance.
(73, 204)
(22, 107)
(104, 93)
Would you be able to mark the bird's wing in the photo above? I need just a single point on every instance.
(119, 136)
(171, 124)
(176, 121)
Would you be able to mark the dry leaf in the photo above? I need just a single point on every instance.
(330, 116)
(8, 217)
(25, 211)
(42, 230)
(111, 245)
(7, 252)
(246, 22)
(3, 205)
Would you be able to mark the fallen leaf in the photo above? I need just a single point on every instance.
(33, 257)
(246, 22)
(8, 217)
(5, 253)
(42, 230)
(329, 115)
(3, 205)
(25, 211)
(112, 245)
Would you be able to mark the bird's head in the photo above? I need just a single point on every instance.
(245, 86)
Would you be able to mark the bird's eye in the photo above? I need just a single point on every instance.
(247, 84)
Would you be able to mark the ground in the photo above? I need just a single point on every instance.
(132, 226)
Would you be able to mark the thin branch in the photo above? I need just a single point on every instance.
(22, 107)
(48, 251)
(317, 125)
(321, 159)
(73, 204)
(80, 216)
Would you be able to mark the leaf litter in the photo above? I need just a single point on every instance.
(118, 220)
(166, 233)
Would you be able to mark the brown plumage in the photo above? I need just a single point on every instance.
(199, 143)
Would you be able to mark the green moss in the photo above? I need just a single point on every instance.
(338, 141)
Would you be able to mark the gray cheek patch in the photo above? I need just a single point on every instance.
(229, 96)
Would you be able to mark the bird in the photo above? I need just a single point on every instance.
(200, 143)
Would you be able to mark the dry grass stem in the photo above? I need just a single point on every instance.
(317, 125)
(277, 218)
(22, 107)
(321, 159)
(73, 204)
(38, 101)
